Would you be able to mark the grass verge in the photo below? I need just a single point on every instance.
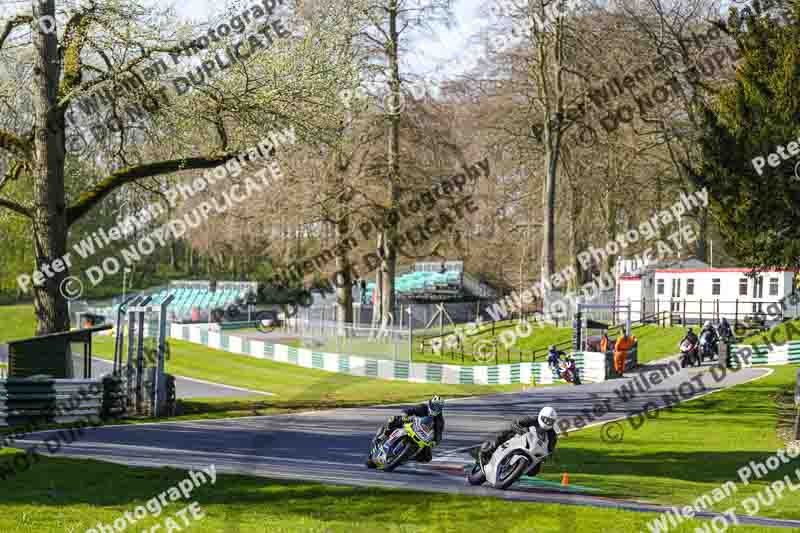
(682, 454)
(74, 495)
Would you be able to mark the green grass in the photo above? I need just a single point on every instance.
(295, 387)
(682, 454)
(775, 335)
(73, 495)
(16, 322)
(654, 343)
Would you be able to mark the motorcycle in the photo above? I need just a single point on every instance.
(522, 454)
(708, 347)
(404, 444)
(569, 372)
(689, 355)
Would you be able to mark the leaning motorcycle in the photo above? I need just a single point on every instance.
(689, 355)
(522, 454)
(404, 444)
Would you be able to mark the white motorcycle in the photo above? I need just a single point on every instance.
(521, 454)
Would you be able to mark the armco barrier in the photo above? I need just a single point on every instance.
(761, 354)
(591, 365)
(23, 401)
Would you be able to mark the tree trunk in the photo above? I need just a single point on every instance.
(701, 245)
(552, 140)
(386, 239)
(49, 210)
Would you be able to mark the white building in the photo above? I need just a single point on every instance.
(695, 292)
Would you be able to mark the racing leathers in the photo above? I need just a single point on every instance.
(420, 410)
(518, 427)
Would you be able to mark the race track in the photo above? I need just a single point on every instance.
(330, 446)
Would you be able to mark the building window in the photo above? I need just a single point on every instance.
(690, 287)
(773, 286)
(715, 286)
(660, 286)
(743, 287)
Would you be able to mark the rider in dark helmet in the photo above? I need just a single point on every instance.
(433, 407)
(725, 329)
(690, 336)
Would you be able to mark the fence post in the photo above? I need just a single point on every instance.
(684, 313)
(736, 312)
(670, 310)
(701, 310)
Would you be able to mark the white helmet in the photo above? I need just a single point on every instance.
(547, 417)
(707, 324)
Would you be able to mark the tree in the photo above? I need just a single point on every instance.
(756, 203)
(85, 60)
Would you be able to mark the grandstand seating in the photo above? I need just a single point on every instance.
(422, 284)
(186, 300)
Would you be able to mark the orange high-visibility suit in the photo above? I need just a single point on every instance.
(621, 352)
(604, 343)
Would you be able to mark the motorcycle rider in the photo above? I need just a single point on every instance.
(711, 335)
(432, 407)
(691, 338)
(545, 422)
(554, 357)
(573, 367)
(725, 331)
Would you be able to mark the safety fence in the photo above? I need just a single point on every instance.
(762, 354)
(58, 401)
(592, 366)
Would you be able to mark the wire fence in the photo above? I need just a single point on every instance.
(351, 339)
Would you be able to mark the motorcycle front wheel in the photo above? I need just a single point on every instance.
(513, 474)
(407, 449)
(476, 476)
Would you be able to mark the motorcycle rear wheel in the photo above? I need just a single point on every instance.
(405, 453)
(476, 476)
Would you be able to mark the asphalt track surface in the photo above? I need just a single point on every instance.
(330, 446)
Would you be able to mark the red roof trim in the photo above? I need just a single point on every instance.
(680, 270)
(630, 277)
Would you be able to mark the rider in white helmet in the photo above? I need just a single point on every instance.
(545, 422)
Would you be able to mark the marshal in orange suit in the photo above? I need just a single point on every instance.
(623, 344)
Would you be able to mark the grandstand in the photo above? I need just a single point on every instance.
(194, 300)
(437, 282)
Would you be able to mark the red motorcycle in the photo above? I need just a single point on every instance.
(569, 371)
(690, 353)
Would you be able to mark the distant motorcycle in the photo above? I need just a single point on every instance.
(522, 454)
(404, 443)
(569, 372)
(689, 354)
(708, 346)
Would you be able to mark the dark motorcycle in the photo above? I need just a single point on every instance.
(708, 346)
